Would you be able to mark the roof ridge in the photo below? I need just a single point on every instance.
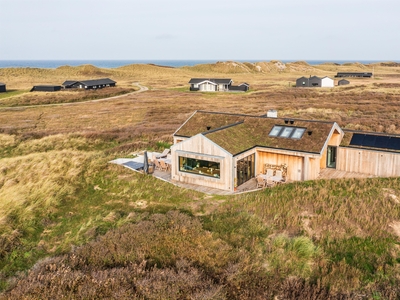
(222, 128)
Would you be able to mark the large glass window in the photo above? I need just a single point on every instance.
(199, 167)
(245, 169)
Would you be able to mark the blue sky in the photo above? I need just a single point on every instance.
(207, 29)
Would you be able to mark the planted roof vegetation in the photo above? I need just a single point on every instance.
(237, 133)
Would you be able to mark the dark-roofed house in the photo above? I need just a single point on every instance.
(46, 88)
(315, 81)
(302, 82)
(2, 87)
(216, 85)
(89, 84)
(354, 74)
(223, 150)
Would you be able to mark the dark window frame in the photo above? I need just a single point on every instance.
(201, 167)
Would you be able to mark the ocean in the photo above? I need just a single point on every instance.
(52, 64)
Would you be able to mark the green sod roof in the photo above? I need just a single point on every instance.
(237, 133)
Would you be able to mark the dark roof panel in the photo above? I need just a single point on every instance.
(375, 141)
(90, 82)
(214, 80)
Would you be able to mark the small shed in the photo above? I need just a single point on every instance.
(46, 88)
(2, 87)
(245, 86)
(343, 82)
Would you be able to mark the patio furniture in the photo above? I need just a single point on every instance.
(163, 165)
(269, 173)
(278, 178)
(164, 153)
(269, 182)
(157, 164)
(260, 182)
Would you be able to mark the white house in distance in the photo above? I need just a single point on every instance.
(315, 81)
(216, 85)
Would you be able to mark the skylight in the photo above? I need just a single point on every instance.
(287, 132)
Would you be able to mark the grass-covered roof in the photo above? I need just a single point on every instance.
(237, 133)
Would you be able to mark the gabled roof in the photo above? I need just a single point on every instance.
(244, 83)
(90, 82)
(69, 82)
(213, 80)
(237, 133)
(2, 83)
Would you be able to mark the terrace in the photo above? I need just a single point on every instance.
(136, 164)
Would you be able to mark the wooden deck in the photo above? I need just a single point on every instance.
(330, 173)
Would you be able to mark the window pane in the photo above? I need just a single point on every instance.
(286, 132)
(200, 167)
(275, 130)
(298, 133)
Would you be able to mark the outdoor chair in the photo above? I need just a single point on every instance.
(260, 182)
(269, 173)
(163, 166)
(157, 164)
(163, 154)
(278, 176)
(269, 182)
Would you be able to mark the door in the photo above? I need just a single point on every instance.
(331, 157)
(245, 169)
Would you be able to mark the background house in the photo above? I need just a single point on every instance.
(2, 87)
(89, 84)
(45, 88)
(315, 81)
(354, 74)
(216, 85)
(302, 82)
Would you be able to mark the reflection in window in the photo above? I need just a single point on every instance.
(298, 133)
(287, 132)
(200, 167)
(275, 131)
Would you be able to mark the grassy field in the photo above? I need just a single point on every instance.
(74, 226)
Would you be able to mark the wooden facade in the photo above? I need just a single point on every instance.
(199, 147)
(367, 161)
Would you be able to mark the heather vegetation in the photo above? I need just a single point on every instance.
(74, 226)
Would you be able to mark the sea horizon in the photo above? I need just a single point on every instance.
(109, 63)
